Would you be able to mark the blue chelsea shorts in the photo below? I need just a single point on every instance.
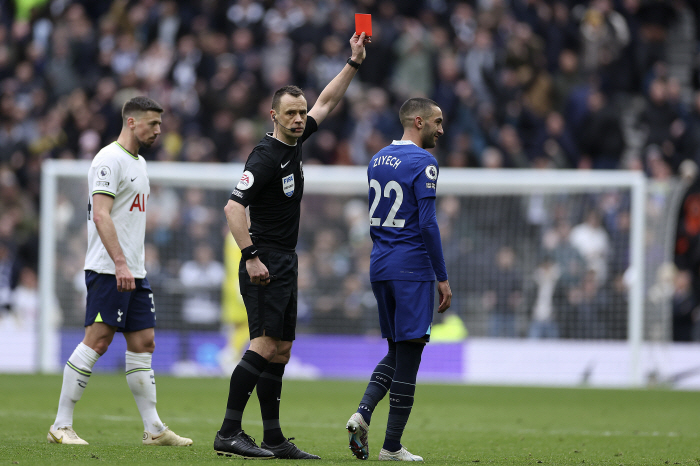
(405, 308)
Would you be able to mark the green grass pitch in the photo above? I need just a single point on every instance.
(450, 424)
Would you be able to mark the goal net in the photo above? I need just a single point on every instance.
(531, 255)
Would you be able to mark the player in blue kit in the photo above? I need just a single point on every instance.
(406, 259)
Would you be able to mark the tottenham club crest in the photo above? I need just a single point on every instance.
(431, 172)
(288, 185)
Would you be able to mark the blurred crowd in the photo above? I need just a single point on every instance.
(587, 84)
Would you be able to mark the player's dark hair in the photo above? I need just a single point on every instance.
(294, 91)
(417, 106)
(139, 104)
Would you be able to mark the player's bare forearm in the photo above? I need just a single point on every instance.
(102, 209)
(238, 224)
(445, 296)
(335, 90)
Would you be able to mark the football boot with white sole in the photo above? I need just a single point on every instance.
(357, 436)
(401, 455)
(167, 438)
(64, 435)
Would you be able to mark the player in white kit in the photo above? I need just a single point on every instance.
(119, 298)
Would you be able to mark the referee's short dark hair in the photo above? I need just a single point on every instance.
(139, 104)
(294, 91)
(417, 106)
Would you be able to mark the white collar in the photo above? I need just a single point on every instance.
(402, 143)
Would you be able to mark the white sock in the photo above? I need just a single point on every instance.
(76, 375)
(142, 383)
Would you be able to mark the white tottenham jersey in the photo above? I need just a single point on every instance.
(116, 173)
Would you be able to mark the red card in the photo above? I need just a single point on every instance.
(363, 23)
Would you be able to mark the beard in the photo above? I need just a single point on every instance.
(428, 141)
(145, 144)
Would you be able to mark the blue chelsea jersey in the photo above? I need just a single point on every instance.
(399, 176)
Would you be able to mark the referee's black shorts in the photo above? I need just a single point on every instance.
(272, 308)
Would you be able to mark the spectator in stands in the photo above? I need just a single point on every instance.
(25, 300)
(324, 66)
(556, 241)
(555, 143)
(503, 295)
(512, 148)
(658, 121)
(604, 34)
(197, 221)
(376, 122)
(684, 307)
(445, 92)
(558, 29)
(468, 121)
(689, 141)
(588, 304)
(8, 276)
(358, 306)
(593, 243)
(566, 77)
(480, 60)
(413, 72)
(201, 279)
(543, 322)
(600, 136)
(330, 264)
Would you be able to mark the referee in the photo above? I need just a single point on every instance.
(271, 187)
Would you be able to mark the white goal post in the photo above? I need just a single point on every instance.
(351, 181)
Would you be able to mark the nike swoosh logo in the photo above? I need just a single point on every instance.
(134, 178)
(57, 440)
(286, 164)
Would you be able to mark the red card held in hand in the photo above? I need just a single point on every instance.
(363, 23)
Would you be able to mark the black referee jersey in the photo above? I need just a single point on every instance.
(272, 186)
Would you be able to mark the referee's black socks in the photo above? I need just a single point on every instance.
(269, 390)
(243, 380)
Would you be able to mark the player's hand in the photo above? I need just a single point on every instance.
(259, 275)
(445, 296)
(125, 280)
(357, 44)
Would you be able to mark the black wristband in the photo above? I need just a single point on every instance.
(354, 64)
(249, 252)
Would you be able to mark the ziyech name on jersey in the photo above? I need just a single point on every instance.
(387, 160)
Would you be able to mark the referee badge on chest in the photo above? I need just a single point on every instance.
(288, 185)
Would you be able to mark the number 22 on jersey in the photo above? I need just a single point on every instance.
(391, 221)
